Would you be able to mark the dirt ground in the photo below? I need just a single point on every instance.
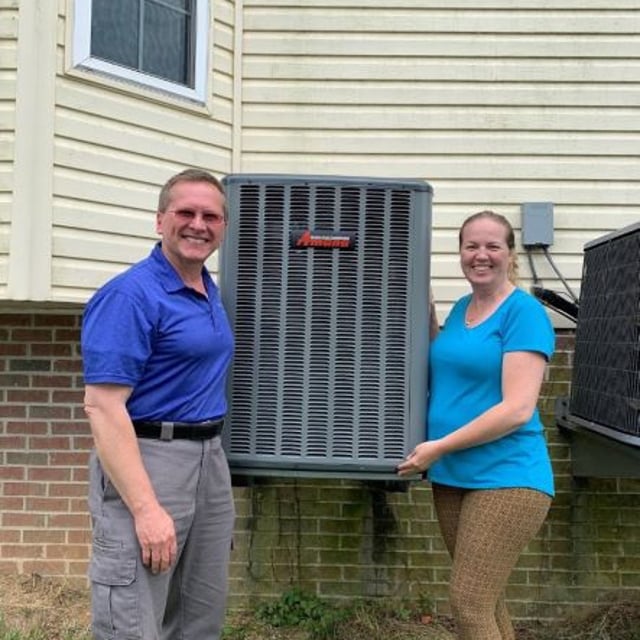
(60, 612)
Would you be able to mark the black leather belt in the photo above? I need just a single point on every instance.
(161, 430)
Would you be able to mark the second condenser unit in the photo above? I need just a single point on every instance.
(325, 280)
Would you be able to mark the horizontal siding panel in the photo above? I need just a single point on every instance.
(7, 116)
(411, 117)
(79, 187)
(82, 156)
(8, 60)
(81, 277)
(9, 20)
(131, 139)
(440, 20)
(6, 146)
(110, 109)
(374, 5)
(569, 266)
(566, 243)
(106, 219)
(474, 69)
(480, 167)
(453, 143)
(471, 94)
(88, 245)
(437, 45)
(7, 84)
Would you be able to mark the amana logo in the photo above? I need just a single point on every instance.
(322, 239)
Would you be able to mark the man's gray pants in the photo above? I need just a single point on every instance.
(192, 482)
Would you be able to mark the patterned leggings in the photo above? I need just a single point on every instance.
(485, 531)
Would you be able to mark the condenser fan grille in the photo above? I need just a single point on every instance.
(606, 373)
(326, 337)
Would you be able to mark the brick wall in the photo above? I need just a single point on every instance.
(337, 538)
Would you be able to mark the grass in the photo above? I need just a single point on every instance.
(33, 608)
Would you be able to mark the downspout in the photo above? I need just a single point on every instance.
(30, 247)
(236, 135)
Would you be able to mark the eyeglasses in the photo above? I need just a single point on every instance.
(189, 215)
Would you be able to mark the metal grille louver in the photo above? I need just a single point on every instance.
(329, 373)
(605, 390)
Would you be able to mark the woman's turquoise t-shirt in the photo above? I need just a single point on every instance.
(465, 370)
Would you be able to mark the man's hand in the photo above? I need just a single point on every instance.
(157, 537)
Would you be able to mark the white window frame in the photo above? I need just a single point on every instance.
(81, 56)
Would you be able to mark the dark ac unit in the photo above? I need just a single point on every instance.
(325, 280)
(605, 389)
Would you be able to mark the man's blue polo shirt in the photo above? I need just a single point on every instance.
(147, 330)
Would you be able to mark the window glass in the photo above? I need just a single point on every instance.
(160, 43)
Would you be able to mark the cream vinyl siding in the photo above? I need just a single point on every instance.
(8, 65)
(493, 102)
(115, 144)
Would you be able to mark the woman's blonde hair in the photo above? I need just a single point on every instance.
(510, 238)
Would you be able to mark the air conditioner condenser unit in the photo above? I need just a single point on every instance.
(325, 280)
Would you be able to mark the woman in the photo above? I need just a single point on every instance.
(486, 453)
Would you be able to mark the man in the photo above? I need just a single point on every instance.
(156, 345)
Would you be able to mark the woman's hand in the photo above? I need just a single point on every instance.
(420, 459)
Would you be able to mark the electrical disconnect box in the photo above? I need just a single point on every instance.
(537, 224)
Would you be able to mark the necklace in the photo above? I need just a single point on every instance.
(473, 315)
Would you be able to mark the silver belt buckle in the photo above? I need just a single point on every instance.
(166, 431)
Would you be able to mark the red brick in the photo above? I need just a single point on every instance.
(15, 319)
(12, 473)
(79, 505)
(67, 365)
(49, 412)
(9, 535)
(8, 380)
(47, 505)
(49, 320)
(23, 519)
(31, 427)
(46, 474)
(76, 427)
(83, 443)
(21, 551)
(13, 411)
(53, 443)
(69, 459)
(12, 442)
(67, 489)
(79, 537)
(67, 335)
(14, 503)
(65, 551)
(28, 395)
(69, 397)
(58, 349)
(9, 567)
(80, 474)
(32, 335)
(42, 536)
(27, 458)
(69, 521)
(13, 349)
(44, 567)
(24, 489)
(51, 381)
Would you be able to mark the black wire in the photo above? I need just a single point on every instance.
(564, 282)
(532, 266)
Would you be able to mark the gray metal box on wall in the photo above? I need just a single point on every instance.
(325, 280)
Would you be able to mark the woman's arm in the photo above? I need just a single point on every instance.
(522, 375)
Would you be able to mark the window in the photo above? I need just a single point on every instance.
(157, 43)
